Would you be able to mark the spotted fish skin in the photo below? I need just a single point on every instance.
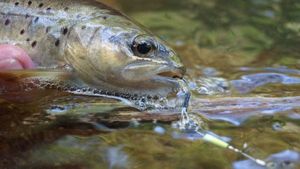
(41, 27)
(98, 43)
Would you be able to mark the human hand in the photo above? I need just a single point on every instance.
(13, 57)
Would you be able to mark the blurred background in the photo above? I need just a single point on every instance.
(243, 62)
(222, 33)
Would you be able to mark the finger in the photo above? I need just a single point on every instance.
(13, 57)
(10, 63)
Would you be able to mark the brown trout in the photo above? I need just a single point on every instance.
(103, 47)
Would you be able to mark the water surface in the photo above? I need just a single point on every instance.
(243, 63)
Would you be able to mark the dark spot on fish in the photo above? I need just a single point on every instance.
(57, 42)
(41, 5)
(48, 9)
(143, 100)
(83, 27)
(17, 3)
(7, 22)
(59, 88)
(155, 98)
(109, 93)
(104, 17)
(126, 96)
(22, 31)
(36, 20)
(133, 98)
(29, 3)
(48, 29)
(97, 92)
(47, 86)
(72, 89)
(27, 39)
(66, 8)
(27, 16)
(64, 31)
(33, 44)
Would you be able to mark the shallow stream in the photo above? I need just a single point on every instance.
(243, 68)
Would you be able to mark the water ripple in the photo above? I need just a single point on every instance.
(247, 83)
(287, 159)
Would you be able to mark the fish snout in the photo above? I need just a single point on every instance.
(178, 69)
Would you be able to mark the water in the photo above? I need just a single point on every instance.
(243, 63)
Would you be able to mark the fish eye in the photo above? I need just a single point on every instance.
(142, 46)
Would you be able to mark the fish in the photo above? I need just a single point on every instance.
(102, 46)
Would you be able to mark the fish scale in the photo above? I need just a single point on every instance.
(98, 43)
(32, 24)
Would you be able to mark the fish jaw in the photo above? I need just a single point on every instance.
(145, 70)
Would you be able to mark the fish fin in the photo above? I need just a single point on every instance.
(22, 74)
(20, 81)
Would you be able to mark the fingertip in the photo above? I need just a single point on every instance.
(13, 54)
(10, 64)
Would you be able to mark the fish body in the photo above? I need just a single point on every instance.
(103, 47)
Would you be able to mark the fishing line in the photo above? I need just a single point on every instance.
(186, 124)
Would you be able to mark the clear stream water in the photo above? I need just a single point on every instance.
(243, 61)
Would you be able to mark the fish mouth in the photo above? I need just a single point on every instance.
(177, 73)
(171, 74)
(143, 72)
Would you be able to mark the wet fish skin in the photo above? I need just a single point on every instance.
(97, 42)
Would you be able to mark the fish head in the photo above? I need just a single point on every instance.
(124, 57)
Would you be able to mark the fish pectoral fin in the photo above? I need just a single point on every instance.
(21, 74)
(21, 79)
